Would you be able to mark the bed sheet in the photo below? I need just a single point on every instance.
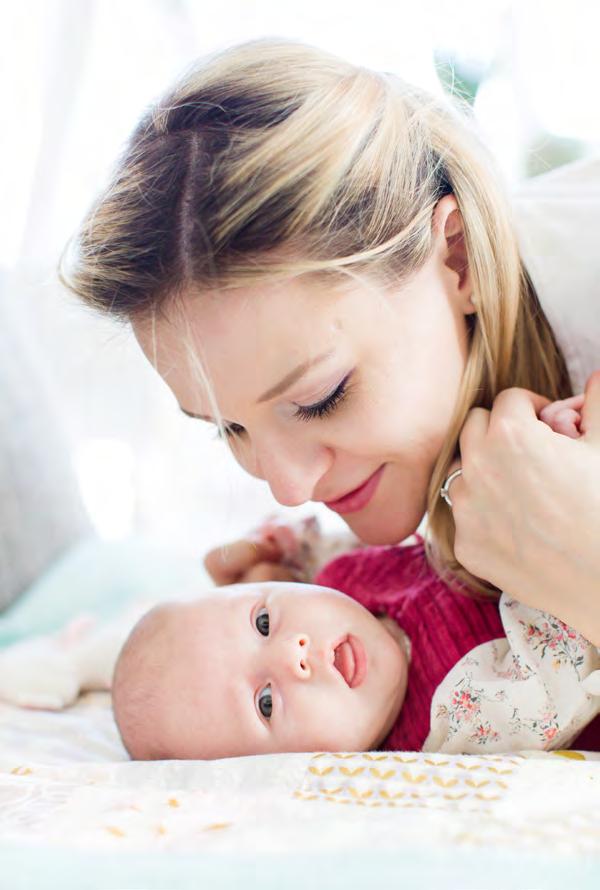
(76, 813)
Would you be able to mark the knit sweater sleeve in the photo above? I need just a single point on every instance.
(442, 625)
(377, 577)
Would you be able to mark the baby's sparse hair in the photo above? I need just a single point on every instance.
(138, 684)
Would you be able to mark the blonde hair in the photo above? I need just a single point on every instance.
(276, 159)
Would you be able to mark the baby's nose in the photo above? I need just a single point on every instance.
(299, 648)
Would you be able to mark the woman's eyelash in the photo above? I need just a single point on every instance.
(229, 431)
(326, 406)
(303, 412)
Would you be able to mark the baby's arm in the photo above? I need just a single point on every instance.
(564, 416)
(304, 547)
(536, 688)
(51, 671)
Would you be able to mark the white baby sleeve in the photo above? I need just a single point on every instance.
(536, 688)
(51, 671)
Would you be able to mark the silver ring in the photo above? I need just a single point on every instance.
(445, 489)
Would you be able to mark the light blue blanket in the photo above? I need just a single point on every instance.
(97, 577)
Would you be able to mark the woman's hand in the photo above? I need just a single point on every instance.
(527, 505)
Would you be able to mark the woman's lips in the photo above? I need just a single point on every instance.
(359, 497)
(350, 659)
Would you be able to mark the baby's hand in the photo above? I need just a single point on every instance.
(564, 416)
(38, 673)
(270, 553)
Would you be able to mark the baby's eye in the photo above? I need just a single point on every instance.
(262, 622)
(265, 702)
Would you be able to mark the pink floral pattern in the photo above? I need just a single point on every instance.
(525, 691)
(554, 637)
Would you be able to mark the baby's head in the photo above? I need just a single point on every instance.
(258, 669)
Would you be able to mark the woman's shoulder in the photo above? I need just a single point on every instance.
(557, 219)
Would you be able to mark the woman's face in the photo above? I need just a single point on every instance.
(336, 395)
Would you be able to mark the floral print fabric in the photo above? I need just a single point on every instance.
(535, 688)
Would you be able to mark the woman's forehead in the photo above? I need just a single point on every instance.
(264, 321)
(228, 355)
(238, 345)
(277, 324)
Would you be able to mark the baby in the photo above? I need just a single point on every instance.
(261, 668)
(256, 669)
(403, 663)
(397, 660)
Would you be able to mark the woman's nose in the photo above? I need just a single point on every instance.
(293, 470)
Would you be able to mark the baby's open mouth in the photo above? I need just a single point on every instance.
(350, 659)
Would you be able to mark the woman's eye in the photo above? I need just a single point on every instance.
(262, 622)
(326, 406)
(265, 701)
(230, 431)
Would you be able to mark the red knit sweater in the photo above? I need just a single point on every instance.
(442, 626)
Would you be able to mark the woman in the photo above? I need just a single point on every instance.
(318, 259)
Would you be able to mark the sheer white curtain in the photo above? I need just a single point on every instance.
(76, 74)
(81, 72)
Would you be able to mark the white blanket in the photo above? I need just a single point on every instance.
(65, 780)
(76, 814)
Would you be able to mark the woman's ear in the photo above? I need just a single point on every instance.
(448, 232)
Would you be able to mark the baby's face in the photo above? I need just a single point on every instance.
(263, 668)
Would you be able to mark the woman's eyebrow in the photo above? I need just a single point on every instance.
(279, 388)
(293, 376)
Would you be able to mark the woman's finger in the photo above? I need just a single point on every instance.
(516, 404)
(590, 412)
(473, 432)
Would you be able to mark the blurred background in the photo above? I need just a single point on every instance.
(76, 75)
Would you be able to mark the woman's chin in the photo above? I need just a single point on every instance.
(380, 529)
